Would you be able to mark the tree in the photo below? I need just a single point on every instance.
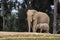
(3, 12)
(55, 17)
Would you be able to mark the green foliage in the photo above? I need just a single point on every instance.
(20, 24)
(58, 23)
(12, 23)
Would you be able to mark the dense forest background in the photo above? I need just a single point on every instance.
(13, 14)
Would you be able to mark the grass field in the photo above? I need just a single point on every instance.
(30, 39)
(28, 36)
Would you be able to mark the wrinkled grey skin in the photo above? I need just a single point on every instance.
(43, 26)
(37, 17)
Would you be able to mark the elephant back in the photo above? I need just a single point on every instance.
(42, 18)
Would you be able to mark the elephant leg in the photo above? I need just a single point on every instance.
(29, 24)
(34, 29)
(40, 30)
(48, 29)
(34, 25)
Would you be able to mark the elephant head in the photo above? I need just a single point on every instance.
(30, 14)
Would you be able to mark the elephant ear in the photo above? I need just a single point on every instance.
(34, 12)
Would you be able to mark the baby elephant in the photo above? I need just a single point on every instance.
(43, 26)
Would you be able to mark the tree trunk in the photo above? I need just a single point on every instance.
(55, 17)
(3, 12)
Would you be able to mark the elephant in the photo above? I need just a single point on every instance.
(30, 14)
(34, 17)
(40, 17)
(43, 26)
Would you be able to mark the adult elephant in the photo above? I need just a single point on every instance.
(36, 17)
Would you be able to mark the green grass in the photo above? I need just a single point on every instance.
(30, 39)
